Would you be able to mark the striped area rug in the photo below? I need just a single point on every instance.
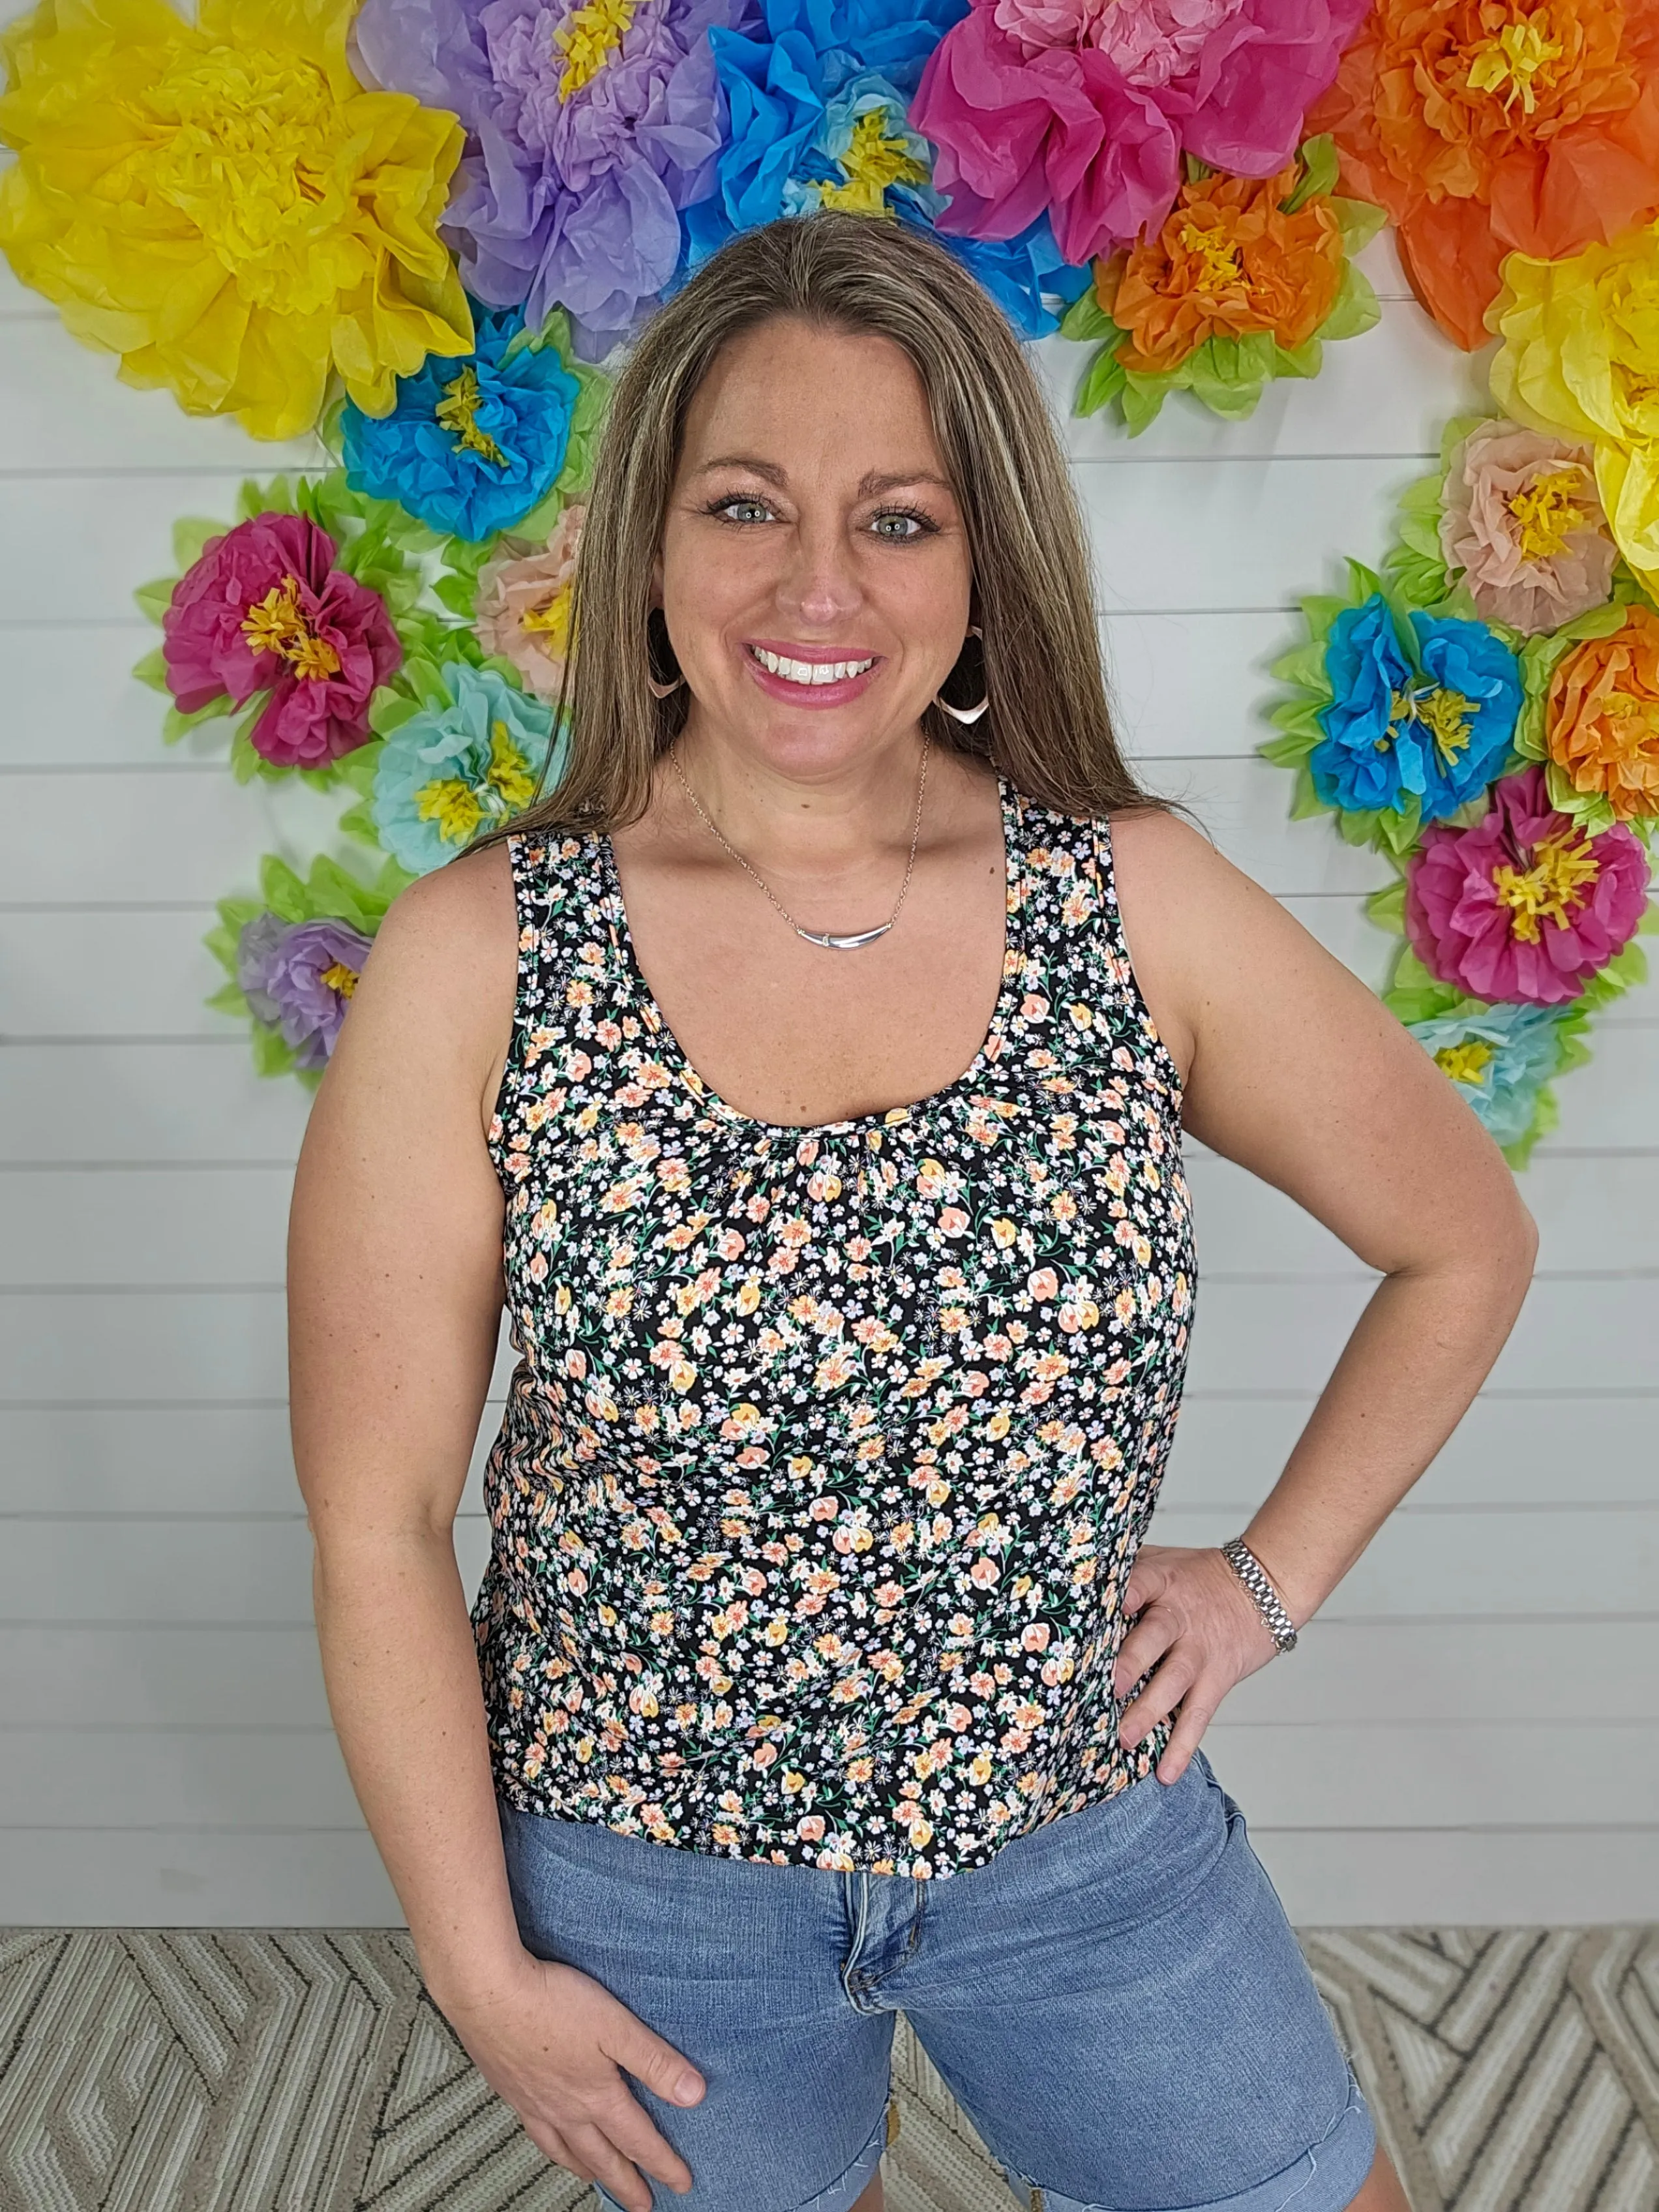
(305, 2070)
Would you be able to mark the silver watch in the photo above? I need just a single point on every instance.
(1254, 1576)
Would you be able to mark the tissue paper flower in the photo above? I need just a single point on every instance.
(224, 207)
(1580, 358)
(524, 605)
(470, 448)
(817, 97)
(293, 955)
(1488, 125)
(1500, 1058)
(473, 757)
(593, 124)
(1522, 521)
(1435, 728)
(1527, 905)
(1084, 113)
(298, 978)
(266, 608)
(1243, 282)
(1601, 716)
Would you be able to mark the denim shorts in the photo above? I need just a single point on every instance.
(1116, 2001)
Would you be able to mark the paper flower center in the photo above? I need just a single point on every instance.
(588, 40)
(551, 621)
(1465, 1063)
(1562, 866)
(275, 624)
(873, 160)
(251, 147)
(1519, 52)
(340, 978)
(1546, 515)
(1220, 261)
(457, 805)
(1448, 717)
(458, 411)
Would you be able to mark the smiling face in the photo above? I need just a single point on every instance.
(814, 572)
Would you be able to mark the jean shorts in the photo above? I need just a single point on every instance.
(1116, 2001)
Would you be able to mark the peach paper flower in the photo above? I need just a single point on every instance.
(524, 605)
(1523, 519)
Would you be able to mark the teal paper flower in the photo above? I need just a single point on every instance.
(1499, 1057)
(469, 757)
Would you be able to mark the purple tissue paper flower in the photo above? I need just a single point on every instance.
(298, 976)
(591, 124)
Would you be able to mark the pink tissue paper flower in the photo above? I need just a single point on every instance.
(1523, 519)
(1525, 906)
(1085, 111)
(524, 605)
(265, 608)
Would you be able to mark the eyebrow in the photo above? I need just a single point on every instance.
(869, 485)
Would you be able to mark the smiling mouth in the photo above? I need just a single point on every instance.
(810, 672)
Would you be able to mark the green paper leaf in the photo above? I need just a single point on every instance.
(1306, 360)
(1360, 221)
(1102, 381)
(1356, 309)
(152, 670)
(1086, 319)
(190, 534)
(154, 599)
(1318, 161)
(1140, 399)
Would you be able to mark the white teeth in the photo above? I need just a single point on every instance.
(810, 671)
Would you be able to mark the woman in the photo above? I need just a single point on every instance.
(786, 1074)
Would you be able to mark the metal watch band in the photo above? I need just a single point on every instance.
(1254, 1576)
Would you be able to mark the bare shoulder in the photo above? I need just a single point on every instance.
(437, 990)
(1179, 898)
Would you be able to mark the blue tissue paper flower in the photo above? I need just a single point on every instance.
(472, 445)
(451, 768)
(1499, 1057)
(1441, 731)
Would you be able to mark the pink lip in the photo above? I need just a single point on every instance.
(814, 694)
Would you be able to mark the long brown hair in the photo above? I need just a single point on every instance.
(1049, 728)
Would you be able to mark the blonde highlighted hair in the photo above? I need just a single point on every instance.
(1049, 728)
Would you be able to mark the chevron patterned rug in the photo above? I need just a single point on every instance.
(306, 2071)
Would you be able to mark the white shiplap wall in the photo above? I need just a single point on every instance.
(1467, 1733)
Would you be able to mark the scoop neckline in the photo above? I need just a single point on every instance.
(888, 1117)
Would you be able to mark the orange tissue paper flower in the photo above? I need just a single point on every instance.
(1602, 716)
(1227, 261)
(1488, 126)
(223, 205)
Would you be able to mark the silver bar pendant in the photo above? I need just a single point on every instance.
(832, 943)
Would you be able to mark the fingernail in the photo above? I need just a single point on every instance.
(688, 2088)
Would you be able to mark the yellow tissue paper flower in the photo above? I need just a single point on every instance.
(1581, 357)
(223, 205)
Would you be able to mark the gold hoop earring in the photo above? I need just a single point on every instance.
(660, 689)
(963, 713)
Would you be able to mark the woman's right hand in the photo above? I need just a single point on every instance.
(554, 2043)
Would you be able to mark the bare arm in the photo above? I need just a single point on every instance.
(395, 1298)
(1297, 1072)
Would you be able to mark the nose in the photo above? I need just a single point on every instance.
(820, 585)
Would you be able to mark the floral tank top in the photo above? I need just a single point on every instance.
(829, 1449)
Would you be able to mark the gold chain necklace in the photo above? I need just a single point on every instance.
(827, 938)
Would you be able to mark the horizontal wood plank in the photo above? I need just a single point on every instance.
(1342, 1675)
(162, 1225)
(1454, 1564)
(163, 1346)
(1253, 531)
(1469, 1775)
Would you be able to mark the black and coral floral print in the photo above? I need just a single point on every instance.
(828, 1450)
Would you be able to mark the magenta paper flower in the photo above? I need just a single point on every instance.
(1525, 906)
(1523, 519)
(265, 608)
(1093, 129)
